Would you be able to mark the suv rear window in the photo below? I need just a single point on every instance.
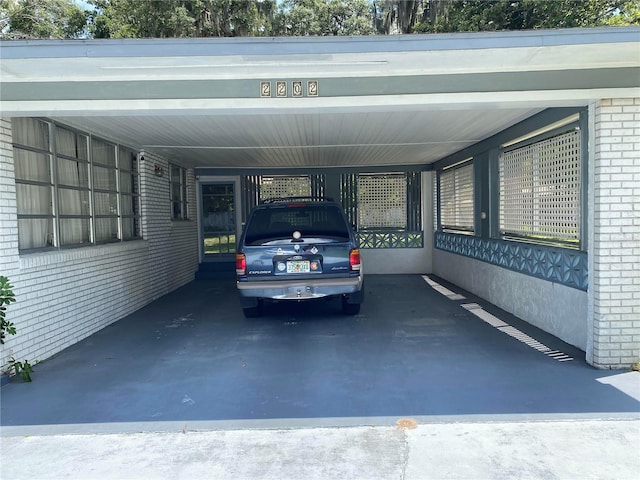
(310, 220)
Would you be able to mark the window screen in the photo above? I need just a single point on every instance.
(456, 198)
(540, 190)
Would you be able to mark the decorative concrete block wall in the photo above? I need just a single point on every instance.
(614, 248)
(66, 295)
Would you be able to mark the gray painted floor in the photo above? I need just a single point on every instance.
(191, 357)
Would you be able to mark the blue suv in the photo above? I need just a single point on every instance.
(295, 249)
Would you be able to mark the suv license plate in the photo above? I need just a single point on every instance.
(301, 266)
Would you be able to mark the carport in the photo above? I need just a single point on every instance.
(193, 121)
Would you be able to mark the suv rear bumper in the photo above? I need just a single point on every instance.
(299, 289)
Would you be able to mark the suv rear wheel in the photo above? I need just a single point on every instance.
(350, 308)
(253, 312)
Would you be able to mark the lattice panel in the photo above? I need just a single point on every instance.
(281, 186)
(382, 201)
(540, 189)
(456, 198)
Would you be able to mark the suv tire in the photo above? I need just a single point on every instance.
(254, 312)
(350, 308)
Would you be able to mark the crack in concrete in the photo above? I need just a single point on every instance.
(406, 448)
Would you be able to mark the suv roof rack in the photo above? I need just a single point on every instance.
(296, 199)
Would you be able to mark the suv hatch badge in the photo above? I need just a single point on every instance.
(314, 250)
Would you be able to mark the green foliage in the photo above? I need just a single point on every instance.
(181, 18)
(627, 14)
(136, 19)
(47, 19)
(23, 369)
(6, 297)
(326, 18)
(483, 15)
(257, 18)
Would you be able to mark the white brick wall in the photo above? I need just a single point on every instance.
(8, 220)
(614, 276)
(64, 296)
(167, 237)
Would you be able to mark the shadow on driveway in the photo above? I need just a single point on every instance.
(192, 356)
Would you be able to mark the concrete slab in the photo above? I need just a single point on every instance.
(495, 450)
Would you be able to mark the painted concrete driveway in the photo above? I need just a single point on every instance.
(415, 350)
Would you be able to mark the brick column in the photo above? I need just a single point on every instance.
(614, 277)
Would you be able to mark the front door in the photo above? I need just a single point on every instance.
(218, 219)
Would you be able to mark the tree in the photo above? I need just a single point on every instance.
(136, 19)
(322, 18)
(241, 18)
(397, 16)
(480, 15)
(229, 18)
(29, 19)
(627, 14)
(182, 18)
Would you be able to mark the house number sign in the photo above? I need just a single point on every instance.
(284, 89)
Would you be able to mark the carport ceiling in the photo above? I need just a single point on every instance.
(394, 137)
(382, 101)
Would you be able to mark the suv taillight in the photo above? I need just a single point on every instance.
(354, 260)
(241, 264)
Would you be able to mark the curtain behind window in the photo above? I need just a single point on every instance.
(73, 187)
(34, 187)
(105, 190)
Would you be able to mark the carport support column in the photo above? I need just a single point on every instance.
(482, 190)
(614, 234)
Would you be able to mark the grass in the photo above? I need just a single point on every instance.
(220, 244)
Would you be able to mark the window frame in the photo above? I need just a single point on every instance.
(182, 214)
(85, 188)
(453, 170)
(45, 152)
(539, 236)
(133, 195)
